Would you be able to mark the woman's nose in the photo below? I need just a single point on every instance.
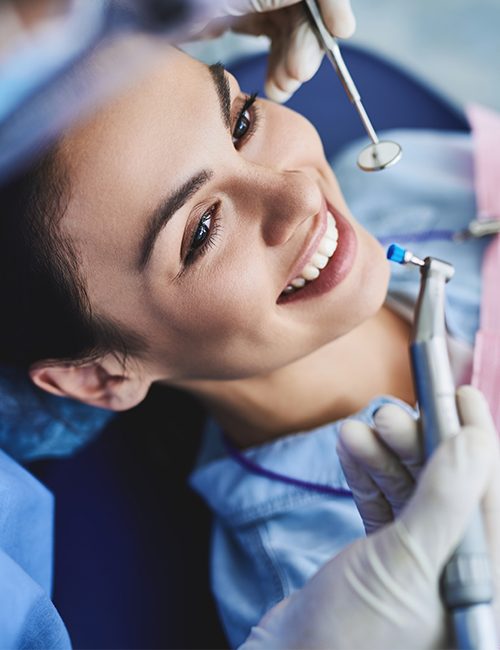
(286, 199)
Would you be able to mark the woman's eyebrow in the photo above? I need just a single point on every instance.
(221, 82)
(162, 214)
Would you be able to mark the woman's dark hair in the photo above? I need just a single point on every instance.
(45, 311)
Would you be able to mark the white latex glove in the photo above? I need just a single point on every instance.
(295, 53)
(382, 463)
(382, 591)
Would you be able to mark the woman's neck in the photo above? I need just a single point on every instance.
(334, 382)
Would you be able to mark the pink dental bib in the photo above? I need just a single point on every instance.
(486, 367)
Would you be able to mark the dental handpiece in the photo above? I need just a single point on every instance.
(381, 153)
(466, 583)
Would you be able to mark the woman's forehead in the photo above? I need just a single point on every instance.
(135, 150)
(164, 87)
(152, 127)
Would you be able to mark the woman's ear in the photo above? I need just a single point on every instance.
(104, 382)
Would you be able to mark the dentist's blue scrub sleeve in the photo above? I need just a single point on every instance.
(28, 619)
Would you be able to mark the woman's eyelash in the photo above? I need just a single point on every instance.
(249, 124)
(205, 234)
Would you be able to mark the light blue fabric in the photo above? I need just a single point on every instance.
(269, 537)
(28, 619)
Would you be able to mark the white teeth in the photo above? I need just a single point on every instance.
(320, 261)
(331, 227)
(310, 272)
(326, 248)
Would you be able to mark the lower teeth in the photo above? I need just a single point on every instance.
(289, 289)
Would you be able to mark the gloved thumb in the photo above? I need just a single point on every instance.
(451, 486)
(473, 408)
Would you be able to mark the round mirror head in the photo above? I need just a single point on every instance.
(378, 156)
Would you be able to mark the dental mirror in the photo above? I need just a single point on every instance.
(379, 155)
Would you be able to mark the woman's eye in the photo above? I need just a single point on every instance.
(246, 121)
(242, 126)
(205, 234)
(202, 231)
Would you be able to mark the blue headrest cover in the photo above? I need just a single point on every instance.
(35, 424)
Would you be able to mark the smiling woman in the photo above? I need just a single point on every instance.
(190, 208)
(191, 234)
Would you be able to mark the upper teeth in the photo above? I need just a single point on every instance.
(319, 260)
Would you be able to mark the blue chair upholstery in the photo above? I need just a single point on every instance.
(131, 538)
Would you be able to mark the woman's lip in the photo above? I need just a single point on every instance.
(337, 268)
(312, 243)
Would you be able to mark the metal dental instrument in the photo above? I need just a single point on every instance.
(381, 153)
(466, 582)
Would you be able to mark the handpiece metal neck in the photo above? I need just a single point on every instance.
(429, 319)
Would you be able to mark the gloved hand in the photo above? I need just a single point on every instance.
(382, 464)
(382, 591)
(295, 53)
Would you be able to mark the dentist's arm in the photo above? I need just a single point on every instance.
(382, 591)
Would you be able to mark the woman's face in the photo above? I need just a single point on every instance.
(192, 211)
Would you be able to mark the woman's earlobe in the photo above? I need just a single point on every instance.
(101, 383)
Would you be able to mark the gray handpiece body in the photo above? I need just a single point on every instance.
(466, 580)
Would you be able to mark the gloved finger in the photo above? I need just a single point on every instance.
(373, 507)
(294, 58)
(384, 468)
(296, 54)
(338, 17)
(398, 430)
(473, 408)
(450, 487)
(337, 14)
